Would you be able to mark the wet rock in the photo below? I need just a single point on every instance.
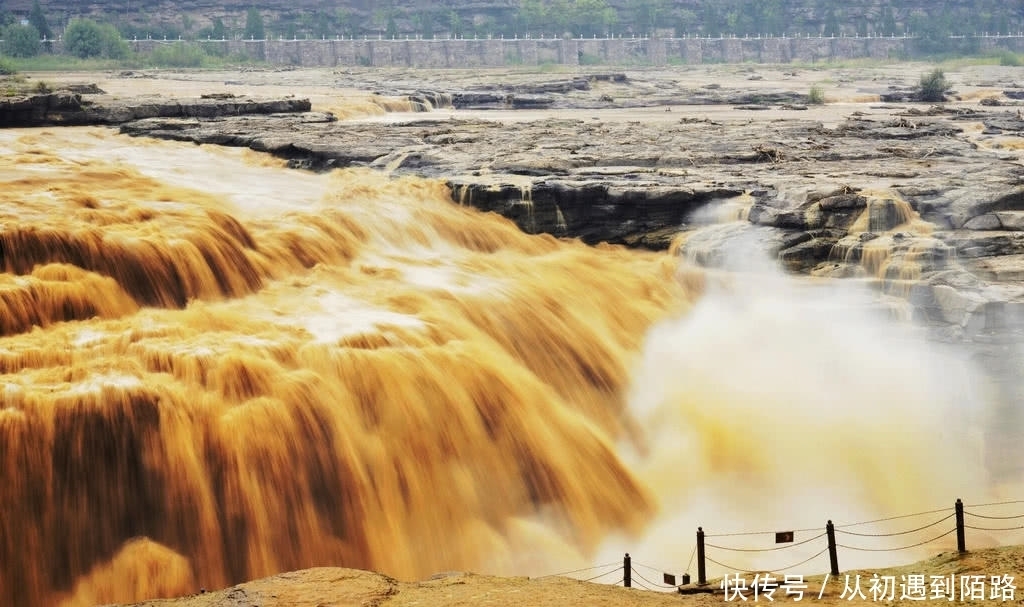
(68, 108)
(970, 244)
(519, 101)
(955, 306)
(802, 257)
(34, 110)
(83, 89)
(851, 200)
(1003, 268)
(477, 100)
(988, 221)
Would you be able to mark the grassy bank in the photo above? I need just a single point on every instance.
(180, 55)
(201, 55)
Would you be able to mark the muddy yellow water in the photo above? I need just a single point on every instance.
(214, 368)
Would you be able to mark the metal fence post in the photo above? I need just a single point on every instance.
(627, 571)
(961, 545)
(702, 576)
(833, 558)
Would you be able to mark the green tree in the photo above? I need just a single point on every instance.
(392, 27)
(713, 21)
(287, 29)
(454, 24)
(733, 23)
(832, 27)
(85, 38)
(37, 19)
(219, 32)
(21, 41)
(113, 45)
(887, 22)
(384, 19)
(423, 21)
(773, 17)
(533, 15)
(685, 22)
(6, 18)
(254, 25)
(931, 33)
(560, 17)
(346, 22)
(322, 26)
(592, 17)
(648, 15)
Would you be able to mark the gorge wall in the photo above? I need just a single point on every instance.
(461, 53)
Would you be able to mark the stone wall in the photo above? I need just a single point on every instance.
(462, 53)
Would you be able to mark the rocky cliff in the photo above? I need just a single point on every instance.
(924, 202)
(314, 18)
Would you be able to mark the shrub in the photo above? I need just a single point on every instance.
(21, 41)
(178, 54)
(933, 86)
(214, 49)
(816, 96)
(1009, 58)
(6, 67)
(85, 38)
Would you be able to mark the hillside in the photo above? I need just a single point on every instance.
(316, 18)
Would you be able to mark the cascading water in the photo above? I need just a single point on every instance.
(208, 380)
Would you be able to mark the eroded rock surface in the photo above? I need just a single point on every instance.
(896, 194)
(70, 108)
(924, 202)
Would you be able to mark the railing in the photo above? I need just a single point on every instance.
(628, 576)
(835, 537)
(577, 38)
(831, 531)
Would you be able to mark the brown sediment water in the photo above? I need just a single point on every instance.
(215, 369)
(283, 370)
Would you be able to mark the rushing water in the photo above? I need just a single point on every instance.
(215, 368)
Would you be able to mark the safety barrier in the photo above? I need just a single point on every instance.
(836, 537)
(629, 576)
(831, 532)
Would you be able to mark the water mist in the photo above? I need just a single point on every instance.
(778, 403)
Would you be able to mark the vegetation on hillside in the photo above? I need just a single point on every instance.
(400, 18)
(103, 36)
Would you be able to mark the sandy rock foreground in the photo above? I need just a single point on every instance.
(336, 587)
